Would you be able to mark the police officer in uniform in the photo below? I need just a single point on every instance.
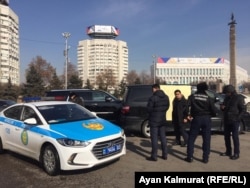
(202, 108)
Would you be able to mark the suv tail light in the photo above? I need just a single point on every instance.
(125, 110)
(55, 98)
(60, 98)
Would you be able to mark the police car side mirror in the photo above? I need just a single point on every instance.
(30, 121)
(94, 113)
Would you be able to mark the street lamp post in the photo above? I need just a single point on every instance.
(66, 35)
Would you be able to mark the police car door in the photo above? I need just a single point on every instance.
(30, 139)
(10, 125)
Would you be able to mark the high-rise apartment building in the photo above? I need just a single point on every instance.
(9, 45)
(102, 54)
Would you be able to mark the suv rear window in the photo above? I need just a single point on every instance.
(140, 94)
(87, 95)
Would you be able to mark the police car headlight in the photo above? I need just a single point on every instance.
(72, 143)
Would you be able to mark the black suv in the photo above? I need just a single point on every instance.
(134, 117)
(105, 105)
(4, 103)
(134, 114)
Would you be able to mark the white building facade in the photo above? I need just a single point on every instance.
(174, 70)
(101, 54)
(9, 45)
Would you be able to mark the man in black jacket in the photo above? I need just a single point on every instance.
(73, 97)
(157, 107)
(179, 118)
(202, 108)
(233, 108)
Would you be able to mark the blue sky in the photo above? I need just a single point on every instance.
(166, 28)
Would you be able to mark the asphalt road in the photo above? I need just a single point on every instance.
(20, 172)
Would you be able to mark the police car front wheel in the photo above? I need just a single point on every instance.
(50, 160)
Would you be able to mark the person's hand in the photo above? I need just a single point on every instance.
(189, 118)
(222, 106)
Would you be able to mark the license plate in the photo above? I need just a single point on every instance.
(111, 149)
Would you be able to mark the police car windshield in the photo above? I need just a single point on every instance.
(60, 113)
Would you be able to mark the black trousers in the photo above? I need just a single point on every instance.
(203, 124)
(232, 127)
(180, 131)
(155, 133)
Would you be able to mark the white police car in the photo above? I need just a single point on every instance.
(60, 135)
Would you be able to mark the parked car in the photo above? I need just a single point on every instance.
(134, 116)
(247, 101)
(221, 97)
(134, 112)
(60, 135)
(246, 98)
(4, 103)
(102, 103)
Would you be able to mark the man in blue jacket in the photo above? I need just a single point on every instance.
(157, 106)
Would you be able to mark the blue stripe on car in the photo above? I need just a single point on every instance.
(73, 130)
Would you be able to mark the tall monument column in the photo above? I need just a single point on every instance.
(232, 79)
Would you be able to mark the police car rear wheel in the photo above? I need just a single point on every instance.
(50, 160)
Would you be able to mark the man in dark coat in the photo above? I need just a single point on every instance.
(202, 108)
(233, 108)
(157, 106)
(73, 97)
(179, 118)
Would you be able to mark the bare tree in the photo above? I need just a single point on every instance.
(45, 69)
(132, 77)
(71, 71)
(145, 78)
(105, 80)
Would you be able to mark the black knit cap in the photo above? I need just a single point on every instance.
(202, 86)
(156, 86)
(72, 94)
(228, 89)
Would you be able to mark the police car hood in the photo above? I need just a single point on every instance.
(85, 130)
